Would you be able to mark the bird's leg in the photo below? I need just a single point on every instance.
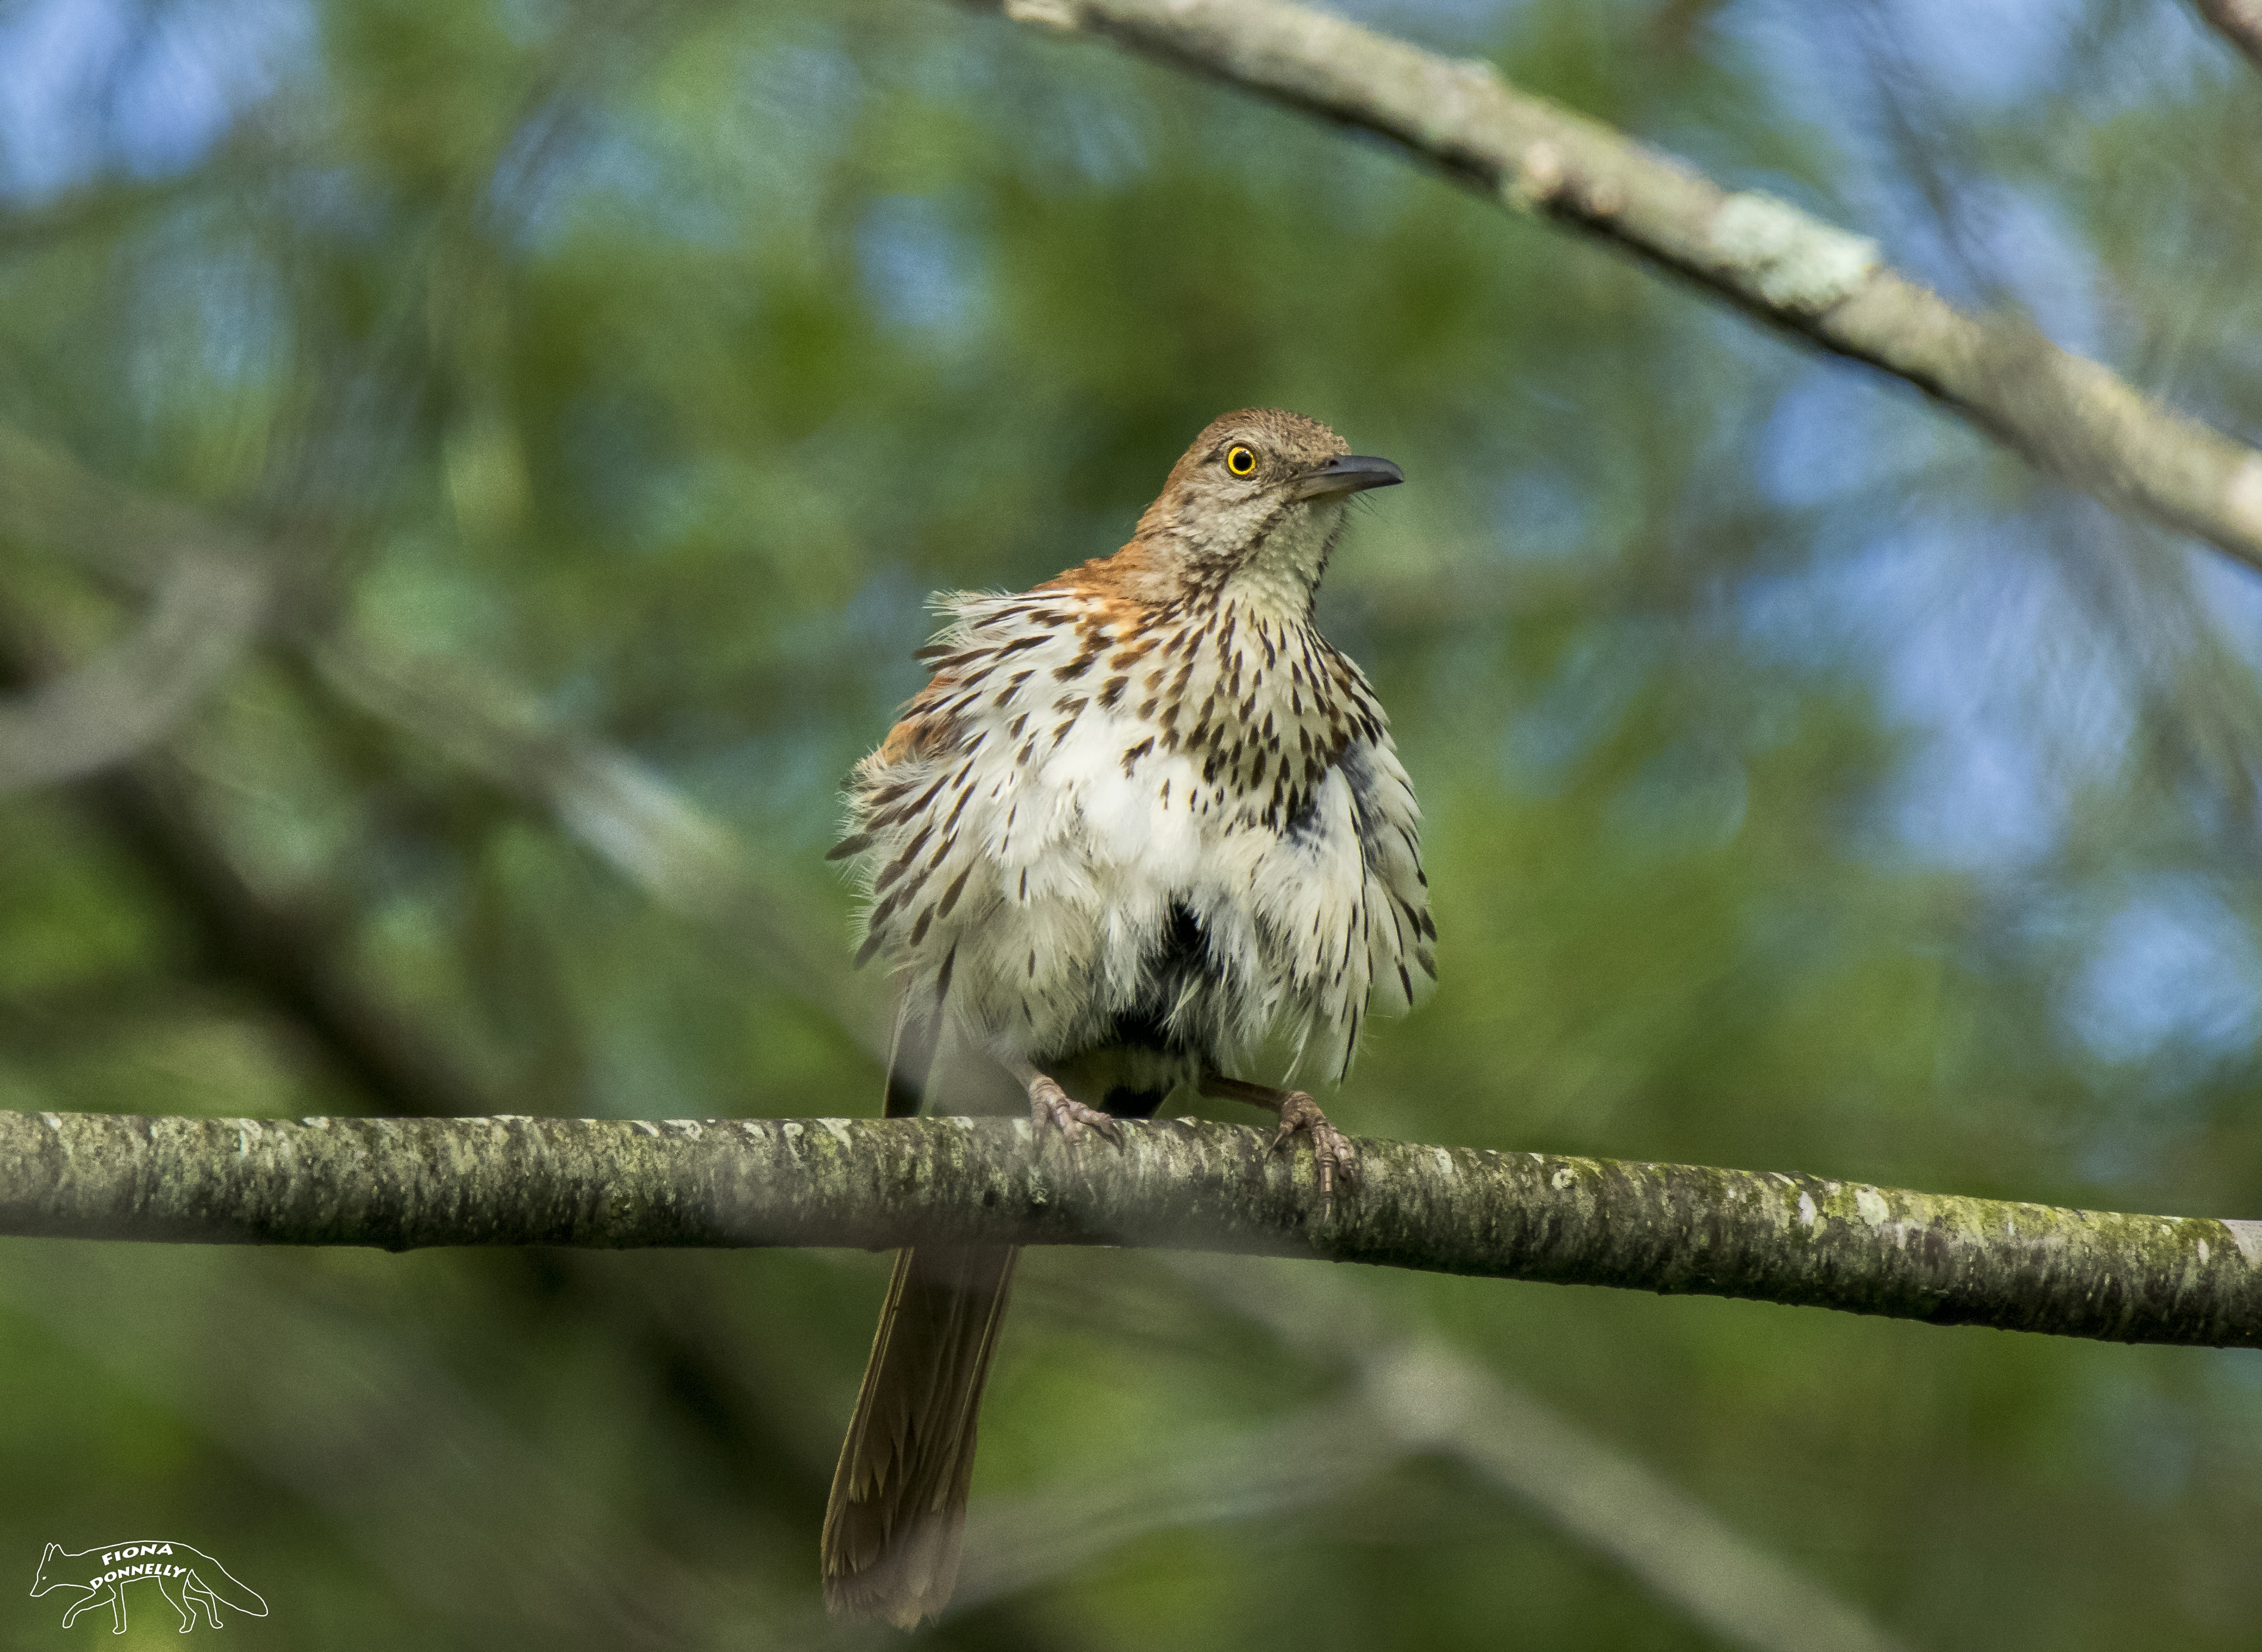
(1330, 1147)
(1053, 1109)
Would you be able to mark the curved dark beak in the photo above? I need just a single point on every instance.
(1351, 473)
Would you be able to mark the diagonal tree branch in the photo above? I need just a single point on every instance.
(1413, 1393)
(1181, 1184)
(1402, 1394)
(688, 863)
(2238, 22)
(2066, 414)
(206, 610)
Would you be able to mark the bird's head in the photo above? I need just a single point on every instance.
(1252, 510)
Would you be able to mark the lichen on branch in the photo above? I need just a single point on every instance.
(403, 1183)
(2065, 414)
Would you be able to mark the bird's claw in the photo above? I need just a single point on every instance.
(1331, 1149)
(1052, 1108)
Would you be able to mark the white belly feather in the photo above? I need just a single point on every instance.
(1031, 867)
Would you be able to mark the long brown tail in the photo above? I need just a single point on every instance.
(898, 1507)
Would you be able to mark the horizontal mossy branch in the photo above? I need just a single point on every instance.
(2063, 413)
(402, 1183)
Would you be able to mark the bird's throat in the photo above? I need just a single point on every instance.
(1279, 579)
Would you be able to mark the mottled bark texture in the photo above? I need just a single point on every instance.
(2064, 413)
(1181, 1184)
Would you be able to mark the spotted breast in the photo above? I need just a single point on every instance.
(1143, 816)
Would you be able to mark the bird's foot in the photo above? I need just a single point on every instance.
(1331, 1149)
(1053, 1109)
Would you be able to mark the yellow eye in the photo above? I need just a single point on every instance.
(1240, 461)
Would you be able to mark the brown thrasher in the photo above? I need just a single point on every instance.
(1142, 817)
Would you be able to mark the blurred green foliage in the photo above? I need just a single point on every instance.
(1808, 787)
